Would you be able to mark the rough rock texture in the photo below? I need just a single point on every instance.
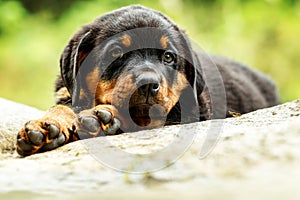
(255, 156)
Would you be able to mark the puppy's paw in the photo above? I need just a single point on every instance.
(39, 136)
(98, 121)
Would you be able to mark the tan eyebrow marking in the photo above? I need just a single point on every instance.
(164, 41)
(126, 40)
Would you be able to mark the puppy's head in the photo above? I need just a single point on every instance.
(133, 58)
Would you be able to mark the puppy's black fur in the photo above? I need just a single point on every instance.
(246, 89)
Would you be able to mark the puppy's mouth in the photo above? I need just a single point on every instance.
(147, 115)
(155, 111)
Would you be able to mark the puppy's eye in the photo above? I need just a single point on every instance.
(168, 58)
(116, 52)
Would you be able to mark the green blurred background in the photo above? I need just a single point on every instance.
(261, 33)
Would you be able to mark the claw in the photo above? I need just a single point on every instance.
(104, 116)
(35, 137)
(83, 134)
(89, 123)
(55, 143)
(115, 126)
(53, 131)
(24, 145)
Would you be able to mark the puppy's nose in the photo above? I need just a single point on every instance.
(151, 88)
(148, 84)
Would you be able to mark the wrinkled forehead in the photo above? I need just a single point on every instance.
(142, 38)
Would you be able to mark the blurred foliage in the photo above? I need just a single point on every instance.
(262, 33)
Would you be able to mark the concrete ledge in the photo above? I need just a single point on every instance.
(257, 156)
(12, 118)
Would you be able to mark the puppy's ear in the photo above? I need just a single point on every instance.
(188, 102)
(77, 50)
(192, 65)
(73, 55)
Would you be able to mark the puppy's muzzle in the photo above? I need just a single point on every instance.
(148, 84)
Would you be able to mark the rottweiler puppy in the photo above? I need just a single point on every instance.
(134, 68)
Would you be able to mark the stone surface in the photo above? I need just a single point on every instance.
(255, 156)
(12, 117)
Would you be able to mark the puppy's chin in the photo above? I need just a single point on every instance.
(148, 123)
(148, 116)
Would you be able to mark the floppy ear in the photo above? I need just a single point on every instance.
(192, 65)
(72, 57)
